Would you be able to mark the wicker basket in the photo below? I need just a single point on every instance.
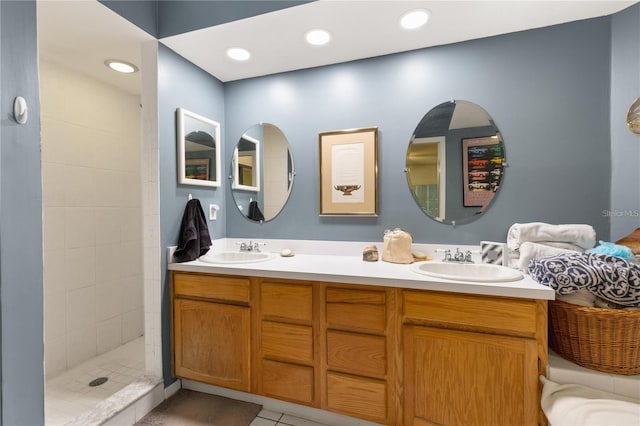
(606, 340)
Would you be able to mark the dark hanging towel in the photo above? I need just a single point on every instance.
(194, 239)
(254, 212)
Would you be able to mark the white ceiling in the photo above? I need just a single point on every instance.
(84, 33)
(365, 28)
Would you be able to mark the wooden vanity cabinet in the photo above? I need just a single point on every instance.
(212, 329)
(327, 346)
(388, 355)
(287, 360)
(472, 360)
(358, 346)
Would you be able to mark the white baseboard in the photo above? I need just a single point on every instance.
(174, 387)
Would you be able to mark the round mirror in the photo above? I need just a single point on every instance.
(633, 117)
(261, 172)
(455, 162)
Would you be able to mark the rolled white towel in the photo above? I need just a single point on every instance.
(529, 250)
(583, 236)
(513, 257)
(566, 246)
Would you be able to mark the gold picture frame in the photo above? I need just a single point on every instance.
(349, 172)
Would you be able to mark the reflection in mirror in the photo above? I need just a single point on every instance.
(198, 149)
(633, 117)
(261, 172)
(246, 164)
(455, 162)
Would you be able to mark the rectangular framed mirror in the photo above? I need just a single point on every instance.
(199, 145)
(246, 164)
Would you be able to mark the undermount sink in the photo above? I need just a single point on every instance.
(480, 272)
(236, 257)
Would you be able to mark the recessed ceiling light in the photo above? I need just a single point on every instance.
(121, 66)
(317, 37)
(238, 54)
(414, 19)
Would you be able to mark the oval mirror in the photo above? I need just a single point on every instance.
(261, 172)
(633, 117)
(455, 162)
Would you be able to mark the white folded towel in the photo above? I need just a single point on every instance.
(566, 246)
(529, 250)
(571, 404)
(583, 236)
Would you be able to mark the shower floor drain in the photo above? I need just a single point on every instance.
(98, 381)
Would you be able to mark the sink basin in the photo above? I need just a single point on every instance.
(236, 257)
(480, 272)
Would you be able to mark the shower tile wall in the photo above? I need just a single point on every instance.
(91, 144)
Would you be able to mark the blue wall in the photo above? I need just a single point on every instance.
(20, 221)
(143, 13)
(625, 146)
(546, 89)
(181, 16)
(182, 84)
(164, 18)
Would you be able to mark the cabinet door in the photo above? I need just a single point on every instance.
(464, 378)
(212, 343)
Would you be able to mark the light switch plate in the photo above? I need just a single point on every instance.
(213, 211)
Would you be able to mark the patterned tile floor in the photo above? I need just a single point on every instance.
(272, 418)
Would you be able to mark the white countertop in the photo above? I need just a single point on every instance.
(351, 269)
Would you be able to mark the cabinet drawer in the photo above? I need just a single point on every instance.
(509, 315)
(289, 301)
(357, 353)
(288, 341)
(357, 316)
(212, 287)
(356, 309)
(357, 396)
(287, 381)
(345, 295)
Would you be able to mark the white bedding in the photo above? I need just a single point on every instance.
(572, 405)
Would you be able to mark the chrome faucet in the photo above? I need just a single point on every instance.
(458, 256)
(447, 255)
(250, 246)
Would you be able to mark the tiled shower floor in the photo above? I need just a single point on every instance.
(69, 394)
